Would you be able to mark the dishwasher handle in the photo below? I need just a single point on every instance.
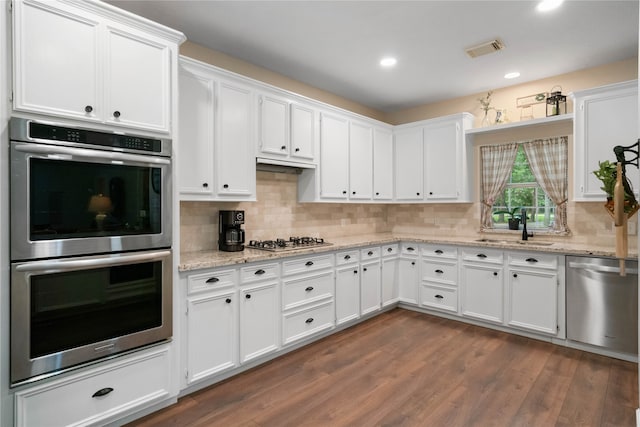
(600, 268)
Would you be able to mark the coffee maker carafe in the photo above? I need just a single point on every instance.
(230, 232)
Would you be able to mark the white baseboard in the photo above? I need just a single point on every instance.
(638, 417)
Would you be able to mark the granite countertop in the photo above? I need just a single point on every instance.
(210, 259)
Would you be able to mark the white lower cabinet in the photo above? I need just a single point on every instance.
(347, 292)
(532, 293)
(370, 282)
(440, 297)
(439, 286)
(389, 283)
(212, 334)
(482, 286)
(408, 279)
(259, 320)
(100, 395)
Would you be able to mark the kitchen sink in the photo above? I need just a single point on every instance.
(515, 242)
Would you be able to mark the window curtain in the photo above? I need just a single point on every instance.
(497, 162)
(548, 162)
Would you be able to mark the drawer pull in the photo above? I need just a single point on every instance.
(370, 253)
(515, 275)
(355, 271)
(483, 256)
(259, 272)
(439, 296)
(309, 320)
(439, 251)
(364, 269)
(531, 260)
(495, 273)
(413, 263)
(347, 257)
(309, 288)
(389, 249)
(102, 392)
(248, 296)
(410, 249)
(308, 263)
(228, 300)
(439, 271)
(213, 280)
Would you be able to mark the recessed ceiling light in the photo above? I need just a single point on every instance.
(388, 61)
(547, 5)
(512, 75)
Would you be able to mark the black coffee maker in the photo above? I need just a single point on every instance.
(230, 232)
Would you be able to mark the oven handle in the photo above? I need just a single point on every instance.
(83, 264)
(90, 154)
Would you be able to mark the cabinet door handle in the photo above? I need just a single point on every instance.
(483, 256)
(515, 275)
(284, 147)
(205, 184)
(116, 114)
(102, 392)
(431, 193)
(439, 271)
(531, 260)
(389, 249)
(297, 149)
(377, 194)
(439, 296)
(88, 109)
(344, 192)
(410, 249)
(213, 280)
(438, 251)
(355, 271)
(309, 288)
(309, 320)
(417, 194)
(495, 273)
(370, 253)
(308, 263)
(353, 192)
(225, 186)
(413, 263)
(228, 300)
(347, 257)
(364, 269)
(259, 272)
(248, 296)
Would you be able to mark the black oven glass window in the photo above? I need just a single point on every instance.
(77, 308)
(71, 199)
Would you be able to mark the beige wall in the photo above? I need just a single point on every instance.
(278, 214)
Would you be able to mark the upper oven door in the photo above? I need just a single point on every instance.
(73, 201)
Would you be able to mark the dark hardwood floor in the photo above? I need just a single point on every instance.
(404, 368)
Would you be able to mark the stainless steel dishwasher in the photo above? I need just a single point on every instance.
(602, 306)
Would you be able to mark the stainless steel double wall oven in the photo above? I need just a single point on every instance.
(91, 260)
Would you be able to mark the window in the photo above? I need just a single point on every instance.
(530, 175)
(523, 191)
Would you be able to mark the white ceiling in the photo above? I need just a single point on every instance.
(336, 45)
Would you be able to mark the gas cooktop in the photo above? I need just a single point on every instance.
(290, 244)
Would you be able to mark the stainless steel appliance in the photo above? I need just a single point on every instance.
(602, 306)
(230, 232)
(76, 191)
(91, 259)
(290, 244)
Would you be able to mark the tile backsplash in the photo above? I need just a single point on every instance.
(276, 213)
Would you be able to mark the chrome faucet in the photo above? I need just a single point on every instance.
(525, 235)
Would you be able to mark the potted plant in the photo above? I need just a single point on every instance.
(514, 217)
(607, 174)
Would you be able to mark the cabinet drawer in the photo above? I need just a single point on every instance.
(439, 297)
(369, 253)
(130, 384)
(483, 255)
(410, 249)
(303, 323)
(530, 259)
(211, 281)
(302, 265)
(440, 271)
(307, 289)
(347, 257)
(439, 251)
(390, 250)
(258, 272)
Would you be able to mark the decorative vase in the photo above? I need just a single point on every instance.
(485, 120)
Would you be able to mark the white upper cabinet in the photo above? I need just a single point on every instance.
(334, 157)
(604, 117)
(409, 164)
(286, 131)
(216, 131)
(382, 164)
(442, 142)
(360, 161)
(72, 61)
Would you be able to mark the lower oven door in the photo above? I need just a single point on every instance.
(66, 312)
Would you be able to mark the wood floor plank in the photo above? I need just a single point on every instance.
(404, 368)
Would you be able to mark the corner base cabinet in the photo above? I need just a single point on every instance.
(100, 395)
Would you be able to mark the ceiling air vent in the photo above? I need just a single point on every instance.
(485, 48)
